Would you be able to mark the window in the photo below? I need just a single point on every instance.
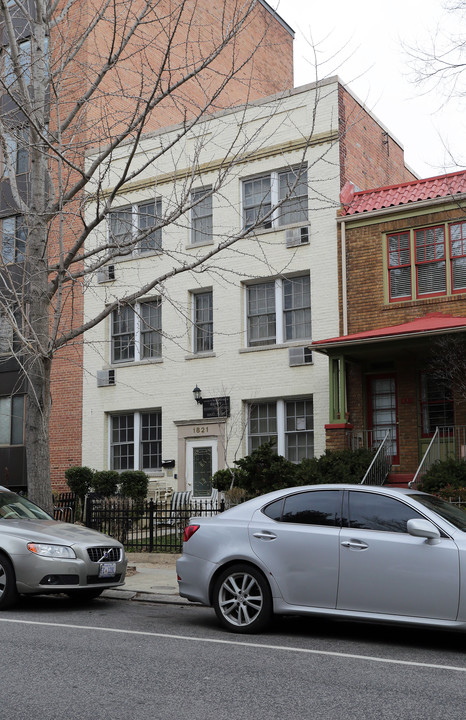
(201, 217)
(14, 235)
(203, 322)
(430, 261)
(136, 441)
(319, 507)
(128, 224)
(137, 332)
(289, 424)
(399, 266)
(12, 420)
(279, 311)
(10, 323)
(369, 511)
(436, 404)
(435, 256)
(24, 57)
(16, 153)
(458, 256)
(260, 194)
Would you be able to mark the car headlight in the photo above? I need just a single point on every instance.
(55, 551)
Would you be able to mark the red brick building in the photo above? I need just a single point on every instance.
(402, 291)
(257, 61)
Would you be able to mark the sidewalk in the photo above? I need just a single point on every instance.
(151, 577)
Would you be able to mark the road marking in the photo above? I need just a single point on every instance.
(262, 646)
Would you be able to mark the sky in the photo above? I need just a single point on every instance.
(365, 43)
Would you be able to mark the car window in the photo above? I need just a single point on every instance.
(14, 506)
(370, 511)
(448, 511)
(319, 507)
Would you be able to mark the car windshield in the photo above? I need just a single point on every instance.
(454, 514)
(14, 506)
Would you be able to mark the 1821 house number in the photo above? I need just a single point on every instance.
(201, 429)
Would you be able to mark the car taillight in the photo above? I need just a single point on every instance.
(189, 531)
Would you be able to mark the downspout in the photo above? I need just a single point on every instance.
(344, 298)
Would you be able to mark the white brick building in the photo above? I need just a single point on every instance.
(238, 326)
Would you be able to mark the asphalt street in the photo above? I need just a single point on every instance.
(115, 659)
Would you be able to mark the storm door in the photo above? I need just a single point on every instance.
(382, 412)
(201, 464)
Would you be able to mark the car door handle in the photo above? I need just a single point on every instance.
(264, 535)
(354, 544)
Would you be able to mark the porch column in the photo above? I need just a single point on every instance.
(337, 429)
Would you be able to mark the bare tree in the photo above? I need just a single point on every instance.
(101, 75)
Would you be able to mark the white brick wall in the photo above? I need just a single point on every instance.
(273, 129)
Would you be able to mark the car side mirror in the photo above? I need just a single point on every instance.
(425, 529)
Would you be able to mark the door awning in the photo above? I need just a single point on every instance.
(429, 325)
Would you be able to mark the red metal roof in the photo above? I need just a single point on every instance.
(432, 323)
(394, 195)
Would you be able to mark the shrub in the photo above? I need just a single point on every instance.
(79, 480)
(334, 466)
(444, 473)
(105, 482)
(134, 484)
(263, 471)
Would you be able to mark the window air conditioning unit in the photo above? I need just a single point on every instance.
(105, 378)
(106, 274)
(299, 356)
(297, 236)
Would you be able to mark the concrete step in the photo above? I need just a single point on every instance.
(399, 479)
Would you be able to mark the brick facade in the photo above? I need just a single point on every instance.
(262, 55)
(369, 308)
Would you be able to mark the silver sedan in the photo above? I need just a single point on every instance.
(39, 555)
(346, 551)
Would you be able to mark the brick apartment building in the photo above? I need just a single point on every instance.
(239, 330)
(261, 55)
(402, 289)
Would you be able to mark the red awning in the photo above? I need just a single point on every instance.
(432, 324)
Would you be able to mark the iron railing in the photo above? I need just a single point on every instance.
(448, 442)
(64, 507)
(145, 525)
(380, 466)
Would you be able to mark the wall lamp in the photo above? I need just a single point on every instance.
(197, 395)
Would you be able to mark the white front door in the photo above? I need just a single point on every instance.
(201, 464)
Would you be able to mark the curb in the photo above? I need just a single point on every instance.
(140, 596)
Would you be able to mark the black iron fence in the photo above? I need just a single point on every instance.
(145, 526)
(65, 506)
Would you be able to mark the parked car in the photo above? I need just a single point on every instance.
(348, 551)
(40, 555)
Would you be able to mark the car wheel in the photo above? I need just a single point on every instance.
(8, 591)
(242, 599)
(86, 594)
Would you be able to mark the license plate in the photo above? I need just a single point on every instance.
(107, 570)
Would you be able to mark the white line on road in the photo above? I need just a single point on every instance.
(262, 646)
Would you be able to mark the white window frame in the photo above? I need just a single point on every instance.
(281, 423)
(280, 312)
(137, 331)
(199, 213)
(137, 442)
(274, 221)
(197, 329)
(134, 229)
